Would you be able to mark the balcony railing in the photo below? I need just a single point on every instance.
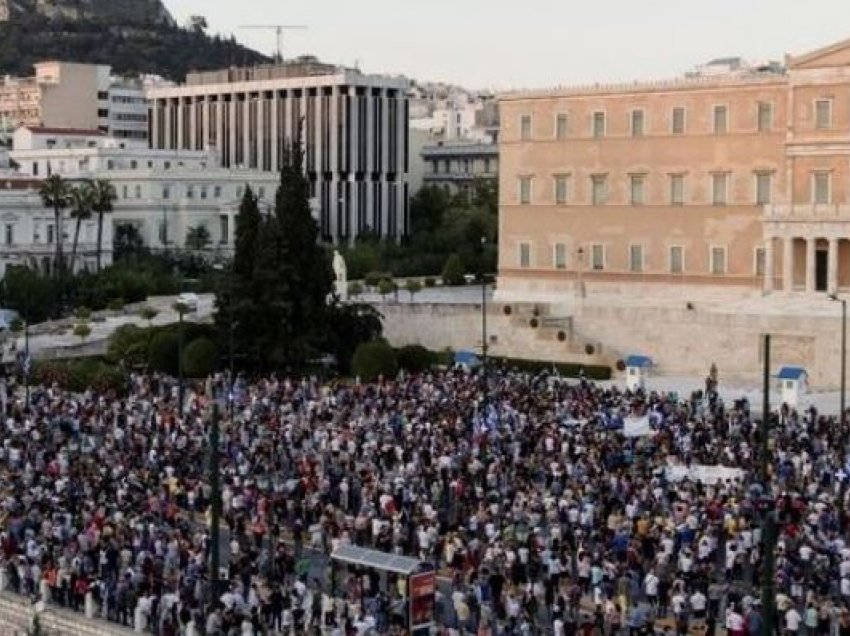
(807, 212)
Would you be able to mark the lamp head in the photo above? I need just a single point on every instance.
(834, 297)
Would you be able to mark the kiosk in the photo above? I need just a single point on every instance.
(420, 581)
(794, 384)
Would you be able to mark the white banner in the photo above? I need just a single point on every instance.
(703, 473)
(637, 427)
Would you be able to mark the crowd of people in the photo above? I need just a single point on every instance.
(539, 515)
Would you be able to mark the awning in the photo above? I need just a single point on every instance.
(376, 559)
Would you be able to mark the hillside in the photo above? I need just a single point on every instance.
(134, 36)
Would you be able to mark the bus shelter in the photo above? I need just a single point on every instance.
(411, 582)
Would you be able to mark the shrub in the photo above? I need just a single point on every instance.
(163, 352)
(430, 282)
(149, 313)
(386, 287)
(200, 358)
(81, 375)
(413, 287)
(453, 273)
(82, 313)
(415, 358)
(82, 330)
(131, 344)
(116, 304)
(355, 289)
(373, 359)
(373, 279)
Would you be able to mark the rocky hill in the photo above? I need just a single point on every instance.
(134, 36)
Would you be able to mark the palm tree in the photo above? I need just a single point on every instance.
(54, 193)
(82, 200)
(104, 197)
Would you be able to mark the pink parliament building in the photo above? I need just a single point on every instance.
(733, 179)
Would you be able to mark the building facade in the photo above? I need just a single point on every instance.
(163, 194)
(455, 167)
(353, 129)
(82, 96)
(735, 177)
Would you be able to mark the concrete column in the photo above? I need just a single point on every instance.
(139, 619)
(810, 265)
(89, 605)
(788, 265)
(273, 115)
(154, 128)
(832, 267)
(768, 264)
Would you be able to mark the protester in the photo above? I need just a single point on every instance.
(539, 514)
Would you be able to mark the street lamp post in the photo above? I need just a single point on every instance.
(231, 397)
(843, 302)
(580, 272)
(182, 309)
(483, 311)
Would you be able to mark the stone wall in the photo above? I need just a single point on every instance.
(681, 341)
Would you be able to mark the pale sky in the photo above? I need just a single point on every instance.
(530, 43)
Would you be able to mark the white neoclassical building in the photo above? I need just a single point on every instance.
(163, 193)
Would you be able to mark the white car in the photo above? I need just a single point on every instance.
(189, 299)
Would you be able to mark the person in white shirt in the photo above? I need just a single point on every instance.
(698, 601)
(792, 620)
(650, 588)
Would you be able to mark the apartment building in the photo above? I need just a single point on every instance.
(735, 177)
(82, 96)
(353, 128)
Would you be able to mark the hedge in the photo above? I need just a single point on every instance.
(416, 358)
(163, 354)
(200, 358)
(81, 375)
(373, 359)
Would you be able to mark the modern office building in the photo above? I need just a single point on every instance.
(163, 193)
(733, 178)
(455, 167)
(82, 96)
(353, 128)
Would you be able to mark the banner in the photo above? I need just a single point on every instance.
(637, 427)
(423, 588)
(703, 473)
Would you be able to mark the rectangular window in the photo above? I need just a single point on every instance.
(719, 188)
(166, 192)
(721, 116)
(677, 124)
(598, 189)
(760, 260)
(50, 234)
(677, 189)
(224, 228)
(597, 257)
(560, 256)
(525, 255)
(138, 192)
(10, 234)
(763, 182)
(598, 124)
(821, 187)
(217, 192)
(125, 192)
(823, 114)
(718, 260)
(637, 123)
(524, 190)
(190, 192)
(561, 126)
(637, 186)
(765, 116)
(636, 258)
(203, 192)
(677, 259)
(561, 188)
(525, 127)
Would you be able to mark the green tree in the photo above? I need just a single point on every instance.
(127, 242)
(385, 286)
(104, 196)
(373, 359)
(55, 193)
(413, 287)
(198, 238)
(82, 330)
(149, 313)
(427, 209)
(82, 202)
(355, 289)
(453, 272)
(350, 325)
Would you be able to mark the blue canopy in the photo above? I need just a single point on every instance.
(791, 373)
(642, 362)
(467, 359)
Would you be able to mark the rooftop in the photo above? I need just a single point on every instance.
(460, 148)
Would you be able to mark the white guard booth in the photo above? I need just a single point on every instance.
(637, 371)
(793, 385)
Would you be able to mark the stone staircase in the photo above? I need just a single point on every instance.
(17, 613)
